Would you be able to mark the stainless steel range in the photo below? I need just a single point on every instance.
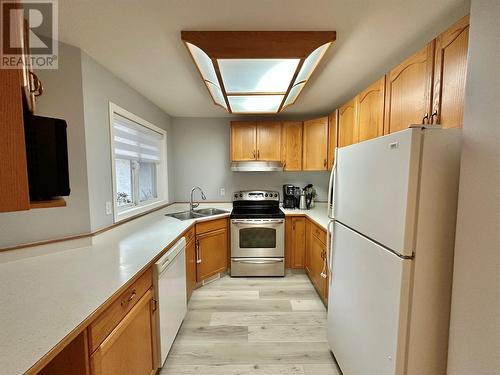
(257, 234)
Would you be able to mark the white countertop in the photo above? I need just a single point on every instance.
(318, 214)
(47, 294)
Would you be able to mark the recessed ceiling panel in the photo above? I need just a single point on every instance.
(294, 93)
(257, 75)
(203, 62)
(255, 103)
(217, 94)
(310, 63)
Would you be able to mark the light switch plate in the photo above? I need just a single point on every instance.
(109, 208)
(222, 191)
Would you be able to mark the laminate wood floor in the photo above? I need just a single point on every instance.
(253, 326)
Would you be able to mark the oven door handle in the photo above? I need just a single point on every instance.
(258, 223)
(257, 260)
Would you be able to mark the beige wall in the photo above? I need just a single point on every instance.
(475, 320)
(79, 92)
(62, 98)
(100, 86)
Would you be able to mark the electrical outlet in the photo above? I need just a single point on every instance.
(109, 208)
(222, 192)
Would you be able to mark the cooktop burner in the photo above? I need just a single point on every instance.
(253, 204)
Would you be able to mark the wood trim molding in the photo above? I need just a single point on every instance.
(258, 44)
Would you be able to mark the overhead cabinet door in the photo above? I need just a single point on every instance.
(316, 145)
(292, 146)
(371, 111)
(269, 141)
(449, 75)
(348, 133)
(243, 141)
(408, 91)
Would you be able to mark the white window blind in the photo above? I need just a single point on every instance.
(135, 142)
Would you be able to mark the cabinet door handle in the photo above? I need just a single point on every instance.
(258, 154)
(254, 154)
(38, 89)
(435, 113)
(324, 163)
(130, 298)
(323, 273)
(426, 117)
(198, 252)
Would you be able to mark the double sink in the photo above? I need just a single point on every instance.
(196, 214)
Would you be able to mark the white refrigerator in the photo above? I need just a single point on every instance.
(390, 260)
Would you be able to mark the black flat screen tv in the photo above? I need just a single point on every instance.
(47, 157)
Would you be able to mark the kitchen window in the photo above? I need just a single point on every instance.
(138, 163)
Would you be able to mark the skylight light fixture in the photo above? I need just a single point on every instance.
(255, 72)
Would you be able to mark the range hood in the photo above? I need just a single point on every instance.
(256, 166)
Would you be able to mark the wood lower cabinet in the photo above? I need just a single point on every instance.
(130, 348)
(318, 254)
(307, 258)
(306, 249)
(211, 249)
(291, 146)
(315, 145)
(370, 106)
(298, 241)
(190, 267)
(408, 91)
(347, 123)
(450, 70)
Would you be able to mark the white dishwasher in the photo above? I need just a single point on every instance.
(170, 291)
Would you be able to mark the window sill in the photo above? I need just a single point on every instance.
(134, 211)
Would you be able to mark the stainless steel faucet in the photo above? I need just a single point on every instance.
(192, 205)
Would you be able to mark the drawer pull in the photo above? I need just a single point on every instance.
(130, 298)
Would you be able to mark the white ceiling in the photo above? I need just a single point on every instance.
(139, 41)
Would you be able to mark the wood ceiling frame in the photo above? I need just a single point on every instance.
(257, 45)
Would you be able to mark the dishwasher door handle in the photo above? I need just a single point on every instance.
(257, 260)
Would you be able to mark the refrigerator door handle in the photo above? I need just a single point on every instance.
(331, 186)
(327, 266)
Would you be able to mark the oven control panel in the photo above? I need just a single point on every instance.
(256, 195)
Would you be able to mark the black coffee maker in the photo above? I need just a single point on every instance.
(288, 196)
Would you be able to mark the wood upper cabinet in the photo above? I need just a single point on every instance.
(243, 141)
(269, 141)
(371, 111)
(408, 91)
(450, 70)
(211, 251)
(255, 141)
(291, 146)
(130, 347)
(315, 145)
(347, 123)
(332, 137)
